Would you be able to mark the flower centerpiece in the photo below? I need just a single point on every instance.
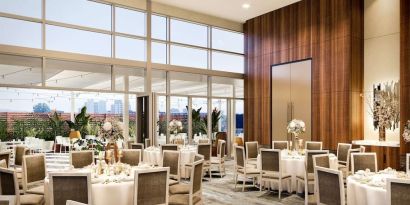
(406, 132)
(296, 127)
(111, 131)
(175, 126)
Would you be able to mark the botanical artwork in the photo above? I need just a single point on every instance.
(385, 107)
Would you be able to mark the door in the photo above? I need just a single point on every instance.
(280, 101)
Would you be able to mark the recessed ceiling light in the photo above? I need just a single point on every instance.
(246, 6)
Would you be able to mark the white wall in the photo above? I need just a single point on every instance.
(381, 54)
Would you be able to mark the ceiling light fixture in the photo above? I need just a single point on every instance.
(246, 6)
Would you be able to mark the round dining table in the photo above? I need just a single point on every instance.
(293, 164)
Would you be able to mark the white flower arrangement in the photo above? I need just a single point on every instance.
(406, 132)
(175, 126)
(111, 130)
(296, 127)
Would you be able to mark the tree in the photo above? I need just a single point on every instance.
(41, 108)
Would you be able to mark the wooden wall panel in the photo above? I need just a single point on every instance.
(330, 32)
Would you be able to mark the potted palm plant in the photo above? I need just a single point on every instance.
(79, 126)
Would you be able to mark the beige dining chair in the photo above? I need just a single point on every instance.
(342, 153)
(251, 152)
(19, 152)
(312, 145)
(172, 159)
(362, 149)
(203, 141)
(151, 186)
(11, 189)
(346, 170)
(5, 155)
(398, 191)
(363, 161)
(129, 143)
(188, 166)
(271, 169)
(73, 186)
(172, 147)
(206, 151)
(7, 200)
(81, 159)
(34, 173)
(219, 160)
(240, 168)
(280, 145)
(70, 202)
(329, 186)
(191, 193)
(309, 176)
(139, 146)
(131, 156)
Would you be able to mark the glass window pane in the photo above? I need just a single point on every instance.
(129, 21)
(134, 76)
(227, 62)
(78, 41)
(80, 12)
(222, 87)
(19, 70)
(20, 33)
(189, 57)
(222, 124)
(129, 48)
(78, 75)
(199, 118)
(30, 8)
(159, 81)
(161, 117)
(239, 109)
(239, 88)
(227, 40)
(159, 52)
(189, 33)
(189, 84)
(159, 27)
(179, 112)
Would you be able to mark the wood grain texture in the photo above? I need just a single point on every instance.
(386, 156)
(331, 33)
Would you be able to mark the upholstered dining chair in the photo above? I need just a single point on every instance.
(206, 151)
(70, 202)
(34, 173)
(408, 163)
(219, 160)
(129, 143)
(19, 152)
(137, 146)
(203, 141)
(251, 152)
(188, 166)
(346, 170)
(70, 186)
(271, 169)
(151, 186)
(10, 187)
(241, 168)
(321, 160)
(342, 151)
(309, 176)
(172, 160)
(191, 193)
(81, 159)
(131, 156)
(329, 186)
(280, 145)
(363, 161)
(3, 164)
(147, 142)
(398, 191)
(7, 200)
(5, 155)
(172, 147)
(312, 145)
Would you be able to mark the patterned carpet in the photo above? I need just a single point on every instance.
(222, 191)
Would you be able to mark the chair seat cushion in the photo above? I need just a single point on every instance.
(36, 190)
(173, 182)
(252, 162)
(182, 199)
(216, 160)
(31, 199)
(249, 171)
(19, 175)
(311, 177)
(342, 166)
(274, 176)
(179, 189)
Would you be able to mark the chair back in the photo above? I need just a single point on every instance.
(329, 186)
(342, 151)
(280, 145)
(8, 182)
(408, 163)
(19, 152)
(251, 150)
(172, 147)
(131, 156)
(171, 159)
(147, 142)
(81, 159)
(205, 150)
(3, 164)
(270, 159)
(362, 149)
(363, 161)
(5, 155)
(137, 146)
(151, 186)
(309, 159)
(349, 157)
(203, 141)
(69, 202)
(70, 186)
(196, 177)
(321, 160)
(398, 191)
(311, 145)
(129, 143)
(221, 148)
(198, 157)
(239, 156)
(34, 169)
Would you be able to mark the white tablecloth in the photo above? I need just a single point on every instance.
(153, 156)
(294, 165)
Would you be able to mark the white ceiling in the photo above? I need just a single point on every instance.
(229, 9)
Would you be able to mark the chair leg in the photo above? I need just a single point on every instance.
(280, 188)
(220, 170)
(243, 184)
(236, 179)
